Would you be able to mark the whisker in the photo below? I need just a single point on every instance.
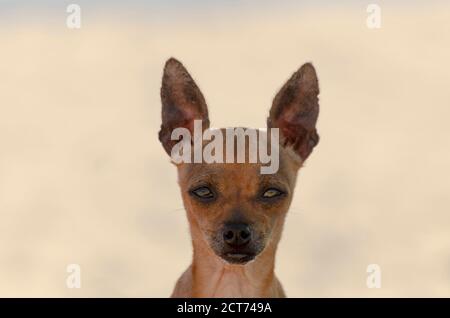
(177, 210)
(296, 211)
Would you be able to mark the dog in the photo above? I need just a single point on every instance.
(235, 213)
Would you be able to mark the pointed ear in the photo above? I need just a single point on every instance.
(295, 110)
(182, 103)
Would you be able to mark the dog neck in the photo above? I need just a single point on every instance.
(211, 276)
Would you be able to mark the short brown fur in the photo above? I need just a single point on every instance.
(237, 189)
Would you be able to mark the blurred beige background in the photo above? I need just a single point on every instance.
(83, 178)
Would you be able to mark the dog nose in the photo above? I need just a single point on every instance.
(237, 235)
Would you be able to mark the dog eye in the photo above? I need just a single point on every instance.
(203, 193)
(272, 193)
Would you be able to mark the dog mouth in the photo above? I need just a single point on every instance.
(239, 258)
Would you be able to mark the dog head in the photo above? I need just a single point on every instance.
(237, 210)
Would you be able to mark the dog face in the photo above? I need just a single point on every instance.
(236, 210)
(236, 207)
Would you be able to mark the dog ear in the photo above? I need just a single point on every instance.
(182, 103)
(295, 110)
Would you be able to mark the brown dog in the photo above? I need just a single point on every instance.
(236, 214)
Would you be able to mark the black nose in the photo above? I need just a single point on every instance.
(237, 235)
